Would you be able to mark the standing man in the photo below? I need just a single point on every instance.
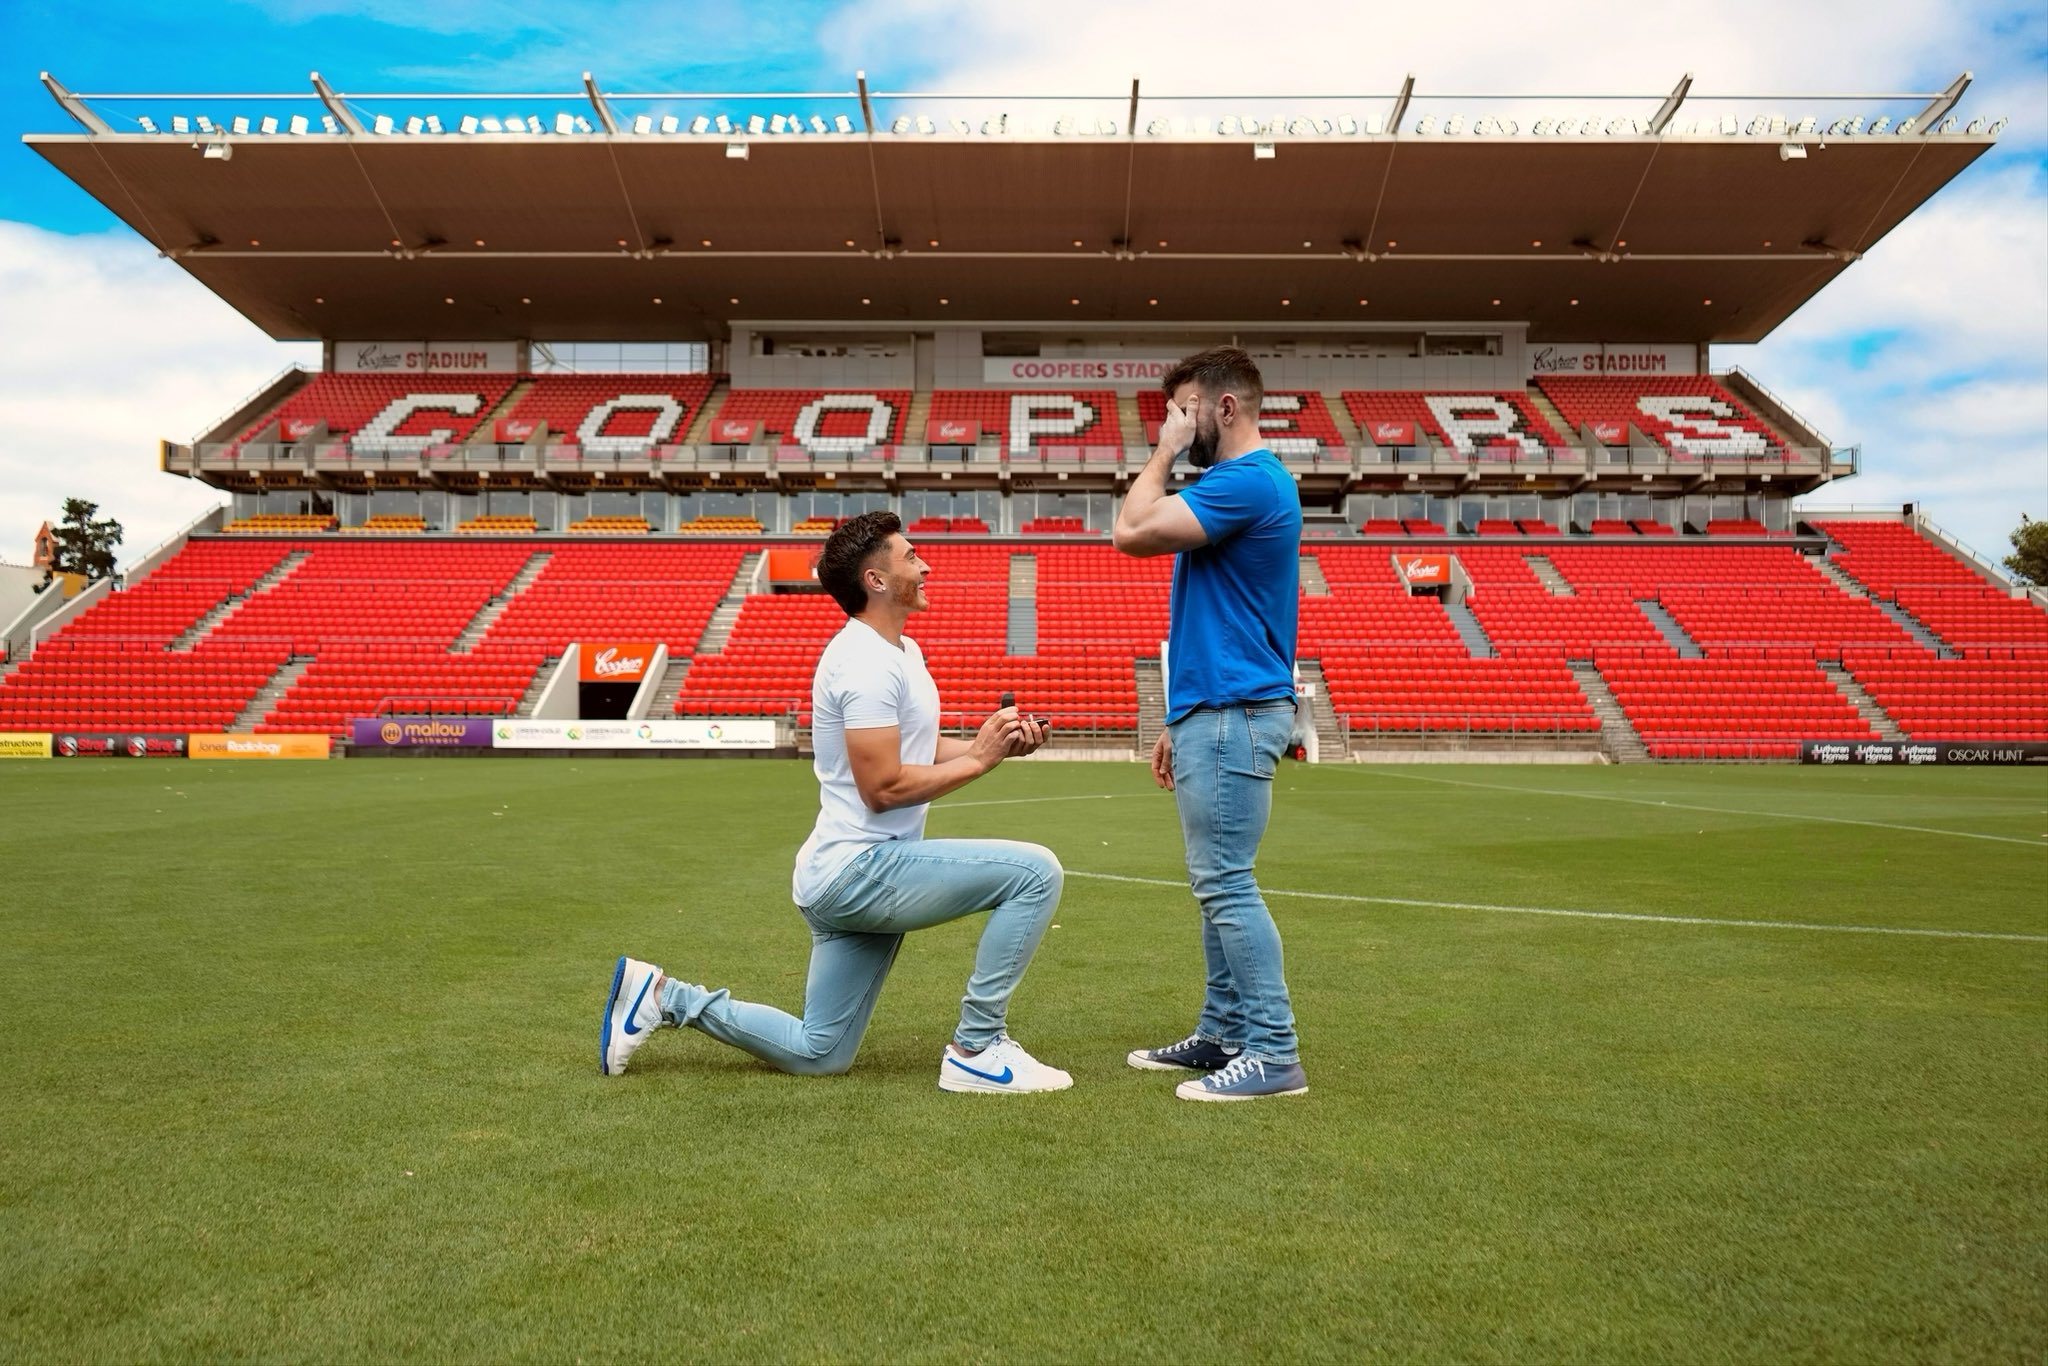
(867, 875)
(1229, 707)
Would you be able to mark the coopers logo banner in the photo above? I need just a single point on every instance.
(238, 746)
(414, 732)
(615, 661)
(1425, 571)
(25, 745)
(1922, 752)
(1619, 358)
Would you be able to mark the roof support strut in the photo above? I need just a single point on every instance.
(604, 112)
(342, 114)
(74, 106)
(1662, 118)
(1926, 120)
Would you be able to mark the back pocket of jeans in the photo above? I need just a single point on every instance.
(1271, 728)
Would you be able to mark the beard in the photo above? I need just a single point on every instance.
(1202, 450)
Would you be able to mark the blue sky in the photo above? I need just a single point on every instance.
(1932, 353)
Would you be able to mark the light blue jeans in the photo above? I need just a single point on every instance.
(1223, 766)
(858, 925)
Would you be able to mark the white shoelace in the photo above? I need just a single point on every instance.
(1236, 1071)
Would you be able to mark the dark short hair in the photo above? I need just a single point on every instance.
(847, 551)
(1217, 371)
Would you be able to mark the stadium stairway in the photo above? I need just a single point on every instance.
(1917, 629)
(917, 418)
(1617, 735)
(271, 693)
(1836, 575)
(1332, 745)
(1313, 584)
(1866, 706)
(719, 629)
(1547, 410)
(1668, 627)
(700, 425)
(530, 699)
(1546, 573)
(487, 615)
(486, 431)
(671, 686)
(1477, 643)
(232, 604)
(1022, 637)
(1130, 422)
(1151, 704)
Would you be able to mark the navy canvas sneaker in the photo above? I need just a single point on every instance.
(1192, 1054)
(1247, 1078)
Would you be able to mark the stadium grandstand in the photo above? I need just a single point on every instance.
(599, 376)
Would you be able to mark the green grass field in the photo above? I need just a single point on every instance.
(301, 1065)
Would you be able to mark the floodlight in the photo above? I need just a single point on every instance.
(1348, 126)
(1805, 126)
(1543, 128)
(1853, 126)
(1228, 127)
(1157, 128)
(961, 127)
(1776, 127)
(382, 125)
(736, 151)
(669, 123)
(583, 125)
(240, 125)
(470, 123)
(434, 124)
(818, 125)
(564, 124)
(775, 124)
(1566, 127)
(699, 124)
(989, 128)
(146, 124)
(1370, 126)
(1062, 126)
(900, 125)
(756, 124)
(643, 124)
(1997, 125)
(1908, 125)
(330, 123)
(206, 124)
(926, 126)
(1297, 127)
(722, 124)
(1883, 122)
(1323, 126)
(1252, 127)
(1791, 151)
(491, 125)
(218, 151)
(180, 124)
(1948, 125)
(298, 125)
(1262, 151)
(1426, 124)
(1976, 128)
(1454, 125)
(841, 124)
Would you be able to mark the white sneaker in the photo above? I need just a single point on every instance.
(630, 1014)
(1002, 1067)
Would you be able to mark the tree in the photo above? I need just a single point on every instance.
(2029, 560)
(85, 543)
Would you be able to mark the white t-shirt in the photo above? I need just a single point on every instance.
(862, 682)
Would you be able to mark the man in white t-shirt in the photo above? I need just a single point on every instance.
(867, 875)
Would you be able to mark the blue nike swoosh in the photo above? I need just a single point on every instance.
(636, 1005)
(999, 1078)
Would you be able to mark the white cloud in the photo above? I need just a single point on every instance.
(108, 349)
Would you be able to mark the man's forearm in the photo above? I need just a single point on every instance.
(915, 784)
(1147, 489)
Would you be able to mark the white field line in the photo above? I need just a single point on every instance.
(1717, 810)
(1595, 915)
(944, 805)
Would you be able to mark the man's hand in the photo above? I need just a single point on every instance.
(1177, 433)
(1029, 739)
(1162, 760)
(994, 741)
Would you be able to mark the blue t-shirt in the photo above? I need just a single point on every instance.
(1231, 623)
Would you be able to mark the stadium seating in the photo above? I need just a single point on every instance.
(1692, 416)
(280, 524)
(1296, 422)
(948, 526)
(494, 524)
(1491, 424)
(614, 526)
(815, 526)
(1029, 420)
(1950, 598)
(391, 414)
(385, 525)
(1988, 698)
(353, 680)
(1057, 526)
(721, 526)
(1611, 526)
(664, 591)
(824, 422)
(612, 410)
(1380, 690)
(1730, 708)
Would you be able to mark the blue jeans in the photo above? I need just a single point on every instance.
(858, 925)
(1223, 766)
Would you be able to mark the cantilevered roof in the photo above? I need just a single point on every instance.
(1701, 236)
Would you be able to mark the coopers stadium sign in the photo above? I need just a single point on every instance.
(420, 357)
(1061, 371)
(1599, 358)
(1922, 752)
